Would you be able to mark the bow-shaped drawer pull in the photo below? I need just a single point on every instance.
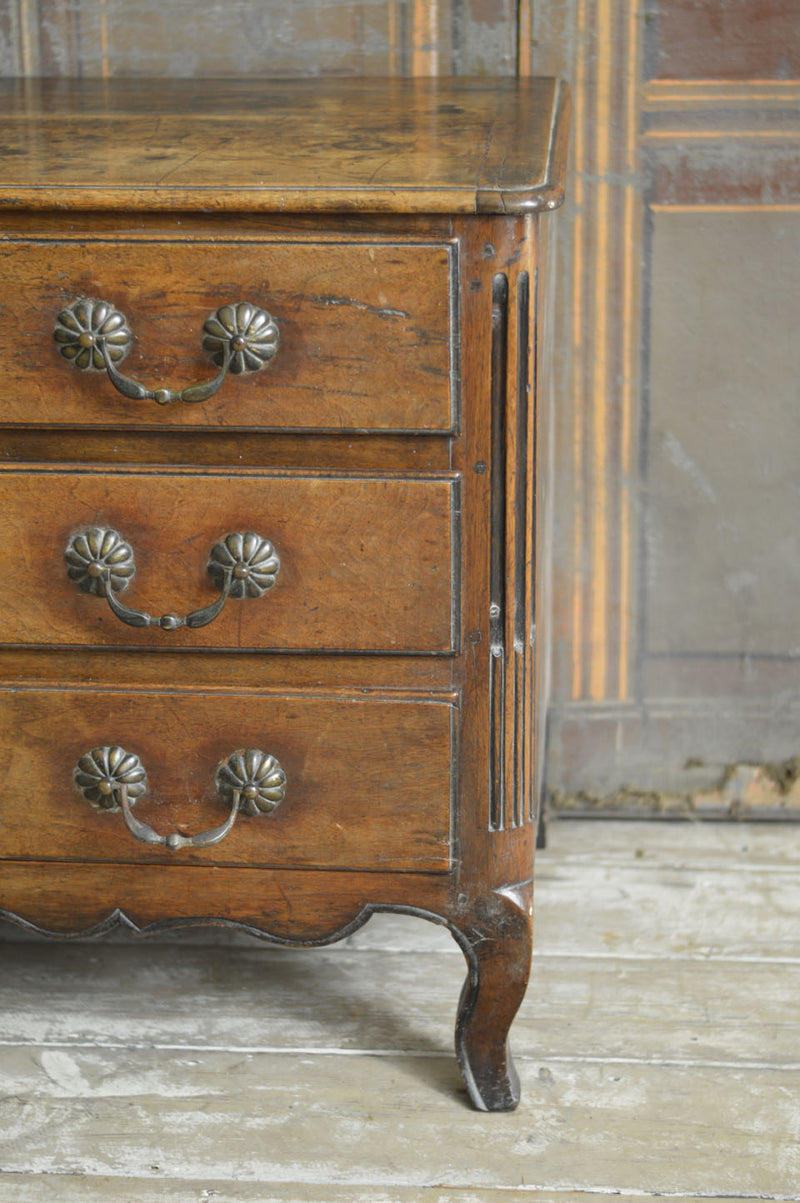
(94, 336)
(112, 779)
(99, 561)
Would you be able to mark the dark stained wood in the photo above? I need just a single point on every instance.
(508, 157)
(411, 775)
(497, 834)
(365, 562)
(210, 226)
(398, 145)
(343, 807)
(357, 453)
(506, 637)
(497, 941)
(294, 906)
(541, 527)
(365, 338)
(217, 670)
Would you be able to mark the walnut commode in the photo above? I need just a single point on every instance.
(270, 420)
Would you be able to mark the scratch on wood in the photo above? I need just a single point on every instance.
(324, 299)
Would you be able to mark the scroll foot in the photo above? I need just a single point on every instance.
(497, 940)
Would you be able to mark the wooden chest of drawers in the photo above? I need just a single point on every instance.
(268, 411)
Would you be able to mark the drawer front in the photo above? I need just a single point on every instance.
(366, 563)
(365, 333)
(368, 781)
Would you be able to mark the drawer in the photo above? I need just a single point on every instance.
(366, 563)
(368, 781)
(364, 329)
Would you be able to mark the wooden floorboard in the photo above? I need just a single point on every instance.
(748, 845)
(280, 999)
(658, 1047)
(392, 1120)
(25, 1188)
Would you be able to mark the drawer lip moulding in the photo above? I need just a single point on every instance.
(368, 781)
(367, 333)
(367, 563)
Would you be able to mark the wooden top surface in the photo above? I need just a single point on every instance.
(315, 145)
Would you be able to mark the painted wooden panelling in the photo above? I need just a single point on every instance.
(724, 432)
(250, 37)
(598, 45)
(684, 204)
(737, 39)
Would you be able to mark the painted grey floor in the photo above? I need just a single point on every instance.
(658, 1047)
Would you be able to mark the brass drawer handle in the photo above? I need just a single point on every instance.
(94, 336)
(114, 780)
(99, 561)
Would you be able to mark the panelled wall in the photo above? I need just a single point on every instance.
(676, 556)
(258, 37)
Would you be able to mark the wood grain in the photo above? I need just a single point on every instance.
(365, 562)
(182, 668)
(178, 1109)
(377, 453)
(169, 145)
(753, 846)
(365, 340)
(355, 997)
(287, 906)
(342, 807)
(78, 1189)
(491, 854)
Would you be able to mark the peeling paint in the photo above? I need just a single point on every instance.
(766, 790)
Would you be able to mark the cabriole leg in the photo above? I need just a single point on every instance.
(497, 940)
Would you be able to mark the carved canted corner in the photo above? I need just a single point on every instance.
(511, 618)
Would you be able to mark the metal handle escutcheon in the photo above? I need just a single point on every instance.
(100, 561)
(112, 779)
(94, 336)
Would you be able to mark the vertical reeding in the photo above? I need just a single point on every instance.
(497, 562)
(497, 724)
(521, 499)
(531, 650)
(520, 728)
(456, 511)
(455, 337)
(455, 781)
(521, 580)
